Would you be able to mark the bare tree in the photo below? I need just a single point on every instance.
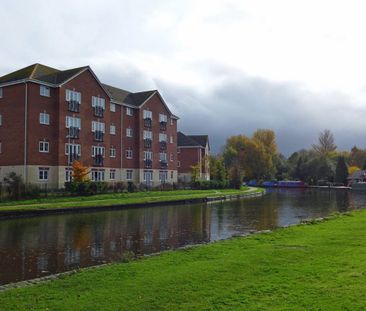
(325, 143)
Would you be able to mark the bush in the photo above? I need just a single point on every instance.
(131, 187)
(86, 187)
(209, 184)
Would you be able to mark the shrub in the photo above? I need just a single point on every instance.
(131, 187)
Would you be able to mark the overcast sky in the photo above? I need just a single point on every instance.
(224, 67)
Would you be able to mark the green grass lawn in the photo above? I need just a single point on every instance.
(117, 199)
(311, 267)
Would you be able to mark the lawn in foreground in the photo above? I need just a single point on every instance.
(119, 199)
(310, 267)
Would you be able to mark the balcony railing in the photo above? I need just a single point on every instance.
(98, 136)
(163, 145)
(147, 143)
(98, 160)
(148, 163)
(74, 132)
(148, 122)
(74, 106)
(72, 157)
(98, 111)
(162, 126)
(163, 163)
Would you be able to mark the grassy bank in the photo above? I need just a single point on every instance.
(118, 199)
(312, 267)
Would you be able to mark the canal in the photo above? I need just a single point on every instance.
(36, 247)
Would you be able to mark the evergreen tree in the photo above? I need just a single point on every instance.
(341, 173)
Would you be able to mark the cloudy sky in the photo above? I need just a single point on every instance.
(224, 66)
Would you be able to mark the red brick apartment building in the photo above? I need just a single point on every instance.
(50, 117)
(193, 150)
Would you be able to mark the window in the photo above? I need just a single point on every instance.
(73, 96)
(171, 139)
(44, 146)
(178, 150)
(163, 118)
(171, 157)
(97, 150)
(129, 154)
(1, 92)
(171, 174)
(112, 107)
(163, 176)
(98, 126)
(98, 102)
(171, 121)
(162, 137)
(147, 114)
(148, 135)
(112, 130)
(43, 173)
(129, 174)
(1, 147)
(44, 118)
(129, 111)
(163, 156)
(68, 174)
(97, 175)
(73, 149)
(178, 163)
(148, 176)
(148, 155)
(112, 174)
(1, 120)
(73, 122)
(44, 91)
(112, 152)
(129, 132)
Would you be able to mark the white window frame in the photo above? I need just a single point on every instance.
(112, 152)
(148, 155)
(44, 91)
(73, 95)
(1, 119)
(112, 174)
(178, 163)
(97, 150)
(129, 111)
(98, 126)
(148, 173)
(163, 117)
(112, 107)
(73, 122)
(171, 157)
(163, 137)
(163, 176)
(163, 156)
(73, 148)
(148, 135)
(112, 129)
(129, 175)
(43, 173)
(129, 153)
(171, 121)
(97, 175)
(42, 146)
(98, 102)
(147, 114)
(44, 118)
(68, 174)
(129, 132)
(171, 139)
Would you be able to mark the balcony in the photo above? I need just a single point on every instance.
(162, 126)
(74, 106)
(98, 160)
(71, 157)
(148, 122)
(163, 145)
(74, 132)
(163, 163)
(147, 143)
(148, 163)
(98, 111)
(98, 136)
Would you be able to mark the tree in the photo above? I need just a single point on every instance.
(80, 172)
(196, 172)
(217, 169)
(326, 143)
(353, 169)
(236, 178)
(14, 184)
(341, 172)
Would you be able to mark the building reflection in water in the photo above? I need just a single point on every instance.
(35, 247)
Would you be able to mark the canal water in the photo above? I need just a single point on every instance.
(36, 247)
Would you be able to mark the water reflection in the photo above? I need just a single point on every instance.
(40, 246)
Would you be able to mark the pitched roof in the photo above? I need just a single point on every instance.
(201, 139)
(42, 73)
(186, 141)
